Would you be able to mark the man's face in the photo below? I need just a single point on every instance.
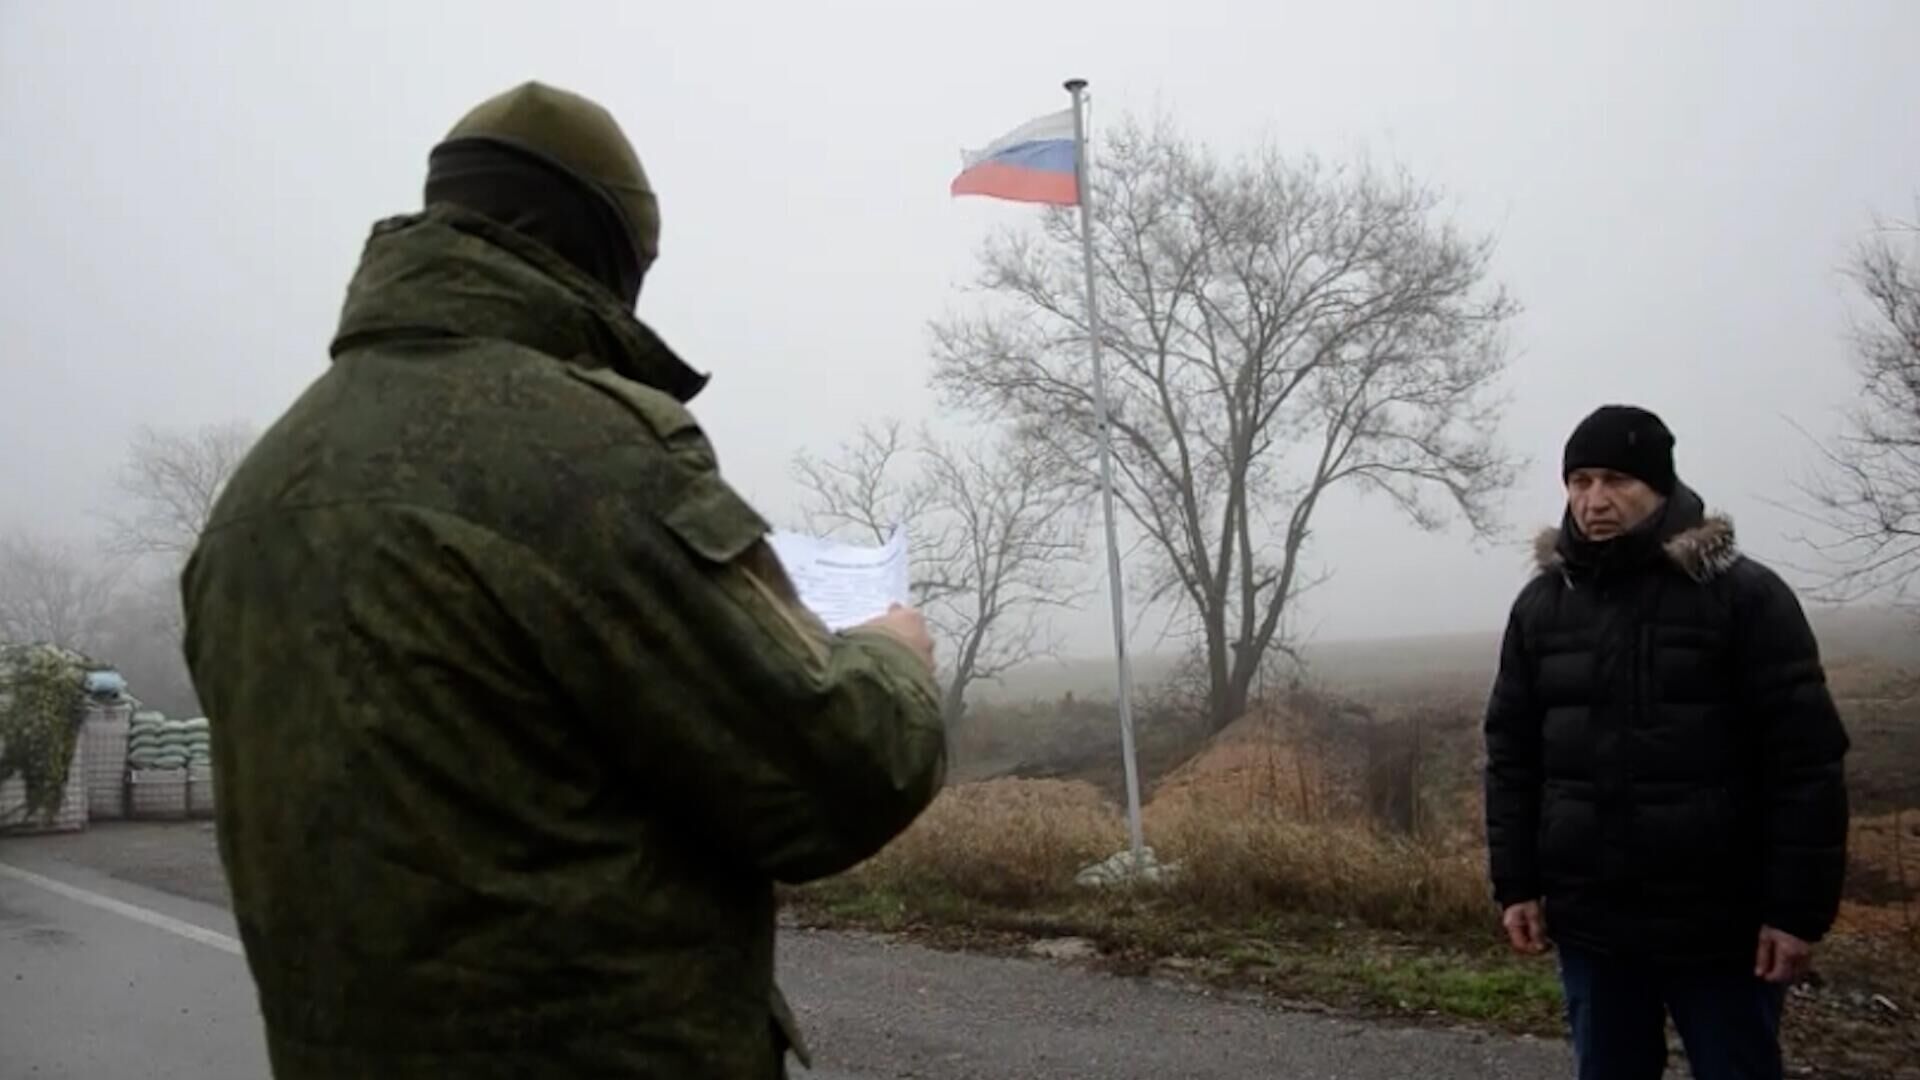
(1607, 504)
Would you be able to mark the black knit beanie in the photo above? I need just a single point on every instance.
(1627, 440)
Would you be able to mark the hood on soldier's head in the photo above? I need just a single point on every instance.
(451, 272)
(556, 168)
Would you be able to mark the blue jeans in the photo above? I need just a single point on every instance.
(1728, 1020)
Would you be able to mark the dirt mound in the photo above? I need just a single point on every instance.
(1266, 763)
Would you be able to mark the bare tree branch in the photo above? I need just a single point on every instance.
(54, 593)
(169, 484)
(996, 537)
(1866, 493)
(870, 487)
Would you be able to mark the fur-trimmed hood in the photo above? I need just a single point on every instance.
(1703, 552)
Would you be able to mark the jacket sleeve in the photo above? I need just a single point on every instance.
(1513, 770)
(730, 710)
(743, 718)
(1801, 749)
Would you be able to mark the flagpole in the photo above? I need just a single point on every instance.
(1078, 88)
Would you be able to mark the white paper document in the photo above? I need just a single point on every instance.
(845, 584)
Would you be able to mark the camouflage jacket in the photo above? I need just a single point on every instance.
(515, 719)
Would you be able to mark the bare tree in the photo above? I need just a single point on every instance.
(142, 639)
(1868, 493)
(51, 592)
(996, 538)
(867, 488)
(1277, 330)
(1018, 534)
(167, 489)
(169, 484)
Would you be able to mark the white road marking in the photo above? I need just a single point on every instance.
(138, 914)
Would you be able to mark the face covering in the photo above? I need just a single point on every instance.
(543, 200)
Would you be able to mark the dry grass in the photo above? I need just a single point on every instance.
(1264, 818)
(1883, 878)
(1005, 841)
(1020, 842)
(1249, 865)
(1856, 677)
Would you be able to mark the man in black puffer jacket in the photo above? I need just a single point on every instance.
(1665, 795)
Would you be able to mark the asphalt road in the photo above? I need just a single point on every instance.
(92, 993)
(117, 960)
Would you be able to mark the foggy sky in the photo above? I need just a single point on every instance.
(185, 189)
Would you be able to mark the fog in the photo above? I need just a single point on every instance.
(1674, 189)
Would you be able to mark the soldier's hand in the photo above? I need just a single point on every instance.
(910, 627)
(1526, 927)
(1781, 958)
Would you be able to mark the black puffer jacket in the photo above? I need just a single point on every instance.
(1664, 762)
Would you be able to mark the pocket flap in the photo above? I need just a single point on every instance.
(714, 521)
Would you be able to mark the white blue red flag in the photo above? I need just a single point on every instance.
(1034, 163)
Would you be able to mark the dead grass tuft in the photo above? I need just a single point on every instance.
(1007, 841)
(1249, 865)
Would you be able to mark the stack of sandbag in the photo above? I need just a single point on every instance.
(155, 742)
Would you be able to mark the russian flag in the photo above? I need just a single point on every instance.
(1032, 163)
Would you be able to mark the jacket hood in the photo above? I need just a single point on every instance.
(1701, 545)
(449, 272)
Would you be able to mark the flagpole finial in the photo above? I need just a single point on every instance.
(1074, 86)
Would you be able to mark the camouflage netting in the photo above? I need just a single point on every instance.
(42, 691)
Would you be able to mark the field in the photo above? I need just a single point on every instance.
(1328, 845)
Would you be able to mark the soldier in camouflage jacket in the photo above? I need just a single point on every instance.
(516, 719)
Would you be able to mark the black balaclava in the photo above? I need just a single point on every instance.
(544, 200)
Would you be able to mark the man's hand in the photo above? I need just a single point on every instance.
(1781, 958)
(910, 627)
(1526, 927)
